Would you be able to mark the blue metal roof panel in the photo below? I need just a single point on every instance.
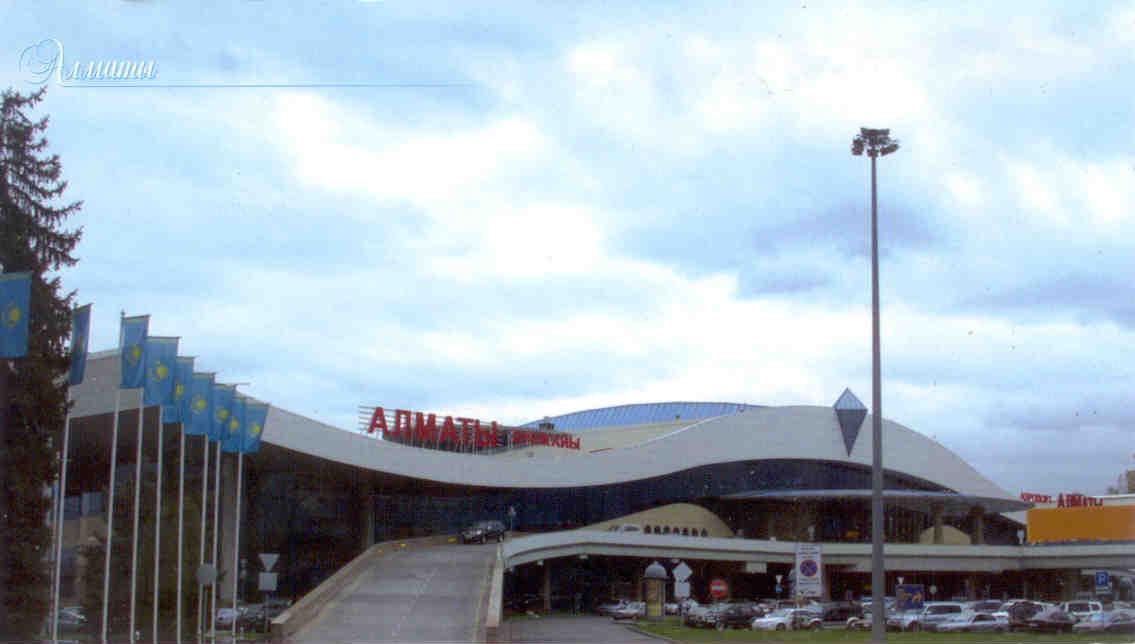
(642, 414)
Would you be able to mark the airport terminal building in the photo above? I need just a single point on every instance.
(728, 487)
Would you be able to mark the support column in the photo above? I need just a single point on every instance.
(368, 519)
(971, 587)
(1071, 584)
(770, 524)
(936, 512)
(978, 516)
(546, 587)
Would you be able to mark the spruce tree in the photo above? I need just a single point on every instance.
(33, 237)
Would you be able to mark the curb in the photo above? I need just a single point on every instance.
(661, 638)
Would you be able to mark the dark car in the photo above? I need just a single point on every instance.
(1021, 612)
(738, 615)
(254, 618)
(840, 612)
(1052, 621)
(483, 531)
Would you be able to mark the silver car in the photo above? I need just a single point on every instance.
(931, 615)
(972, 623)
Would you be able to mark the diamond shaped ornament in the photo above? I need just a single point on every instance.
(850, 412)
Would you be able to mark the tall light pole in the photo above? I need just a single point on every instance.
(876, 143)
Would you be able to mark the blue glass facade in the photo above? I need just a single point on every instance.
(641, 414)
(424, 508)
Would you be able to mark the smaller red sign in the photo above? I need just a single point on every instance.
(719, 589)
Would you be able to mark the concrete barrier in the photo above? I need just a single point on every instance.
(496, 596)
(308, 607)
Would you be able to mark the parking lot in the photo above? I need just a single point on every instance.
(1016, 620)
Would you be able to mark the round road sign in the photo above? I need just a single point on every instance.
(809, 568)
(719, 589)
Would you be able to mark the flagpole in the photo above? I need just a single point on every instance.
(204, 509)
(216, 532)
(236, 538)
(180, 525)
(62, 513)
(137, 503)
(55, 505)
(158, 527)
(110, 516)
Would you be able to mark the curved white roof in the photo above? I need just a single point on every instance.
(797, 432)
(810, 433)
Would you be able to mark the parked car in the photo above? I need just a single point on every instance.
(607, 609)
(704, 616)
(1019, 612)
(840, 612)
(632, 610)
(739, 615)
(274, 607)
(483, 531)
(71, 620)
(1082, 610)
(972, 623)
(984, 606)
(788, 619)
(931, 614)
(1114, 622)
(225, 617)
(1052, 620)
(861, 623)
(524, 602)
(253, 617)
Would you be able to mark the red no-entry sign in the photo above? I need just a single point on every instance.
(719, 589)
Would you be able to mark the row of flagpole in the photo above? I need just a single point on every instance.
(201, 407)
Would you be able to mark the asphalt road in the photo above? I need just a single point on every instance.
(426, 594)
(582, 628)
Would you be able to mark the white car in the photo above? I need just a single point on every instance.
(787, 619)
(973, 623)
(633, 610)
(1082, 609)
(932, 614)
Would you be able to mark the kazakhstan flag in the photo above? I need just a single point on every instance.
(198, 410)
(133, 336)
(15, 304)
(161, 355)
(255, 416)
(80, 333)
(222, 407)
(174, 412)
(234, 430)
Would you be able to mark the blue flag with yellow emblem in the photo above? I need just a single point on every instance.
(161, 355)
(15, 304)
(80, 334)
(255, 417)
(222, 407)
(234, 428)
(198, 411)
(133, 338)
(174, 411)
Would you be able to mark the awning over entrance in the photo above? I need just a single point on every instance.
(953, 504)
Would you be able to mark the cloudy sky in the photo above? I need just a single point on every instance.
(514, 211)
